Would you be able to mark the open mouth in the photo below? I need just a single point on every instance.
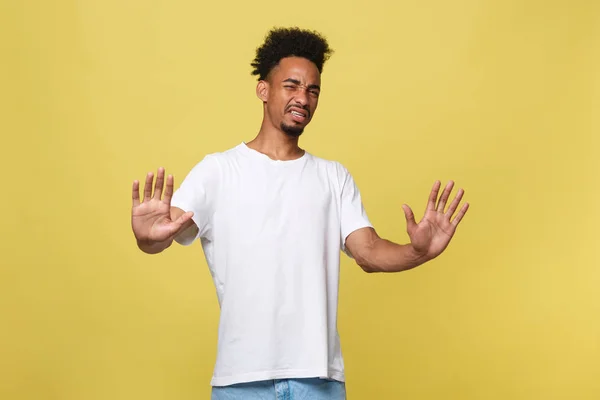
(298, 115)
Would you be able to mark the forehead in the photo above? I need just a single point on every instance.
(299, 68)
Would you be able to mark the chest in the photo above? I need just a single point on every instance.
(277, 200)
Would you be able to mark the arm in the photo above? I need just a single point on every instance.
(428, 239)
(374, 254)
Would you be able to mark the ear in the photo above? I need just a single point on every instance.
(262, 90)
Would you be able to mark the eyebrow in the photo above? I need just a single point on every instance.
(297, 82)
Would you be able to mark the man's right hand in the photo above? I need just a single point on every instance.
(151, 219)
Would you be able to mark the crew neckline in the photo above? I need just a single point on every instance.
(257, 154)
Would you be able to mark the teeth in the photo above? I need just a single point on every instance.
(297, 113)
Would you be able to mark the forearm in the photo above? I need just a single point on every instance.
(387, 256)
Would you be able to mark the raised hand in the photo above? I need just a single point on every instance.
(151, 219)
(430, 237)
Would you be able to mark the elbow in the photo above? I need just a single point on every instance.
(363, 247)
(370, 269)
(366, 266)
(367, 269)
(366, 260)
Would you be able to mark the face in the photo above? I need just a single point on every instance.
(291, 94)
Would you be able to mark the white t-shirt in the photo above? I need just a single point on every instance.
(272, 232)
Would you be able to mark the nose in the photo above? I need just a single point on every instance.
(301, 97)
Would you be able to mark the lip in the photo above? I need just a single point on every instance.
(298, 118)
(298, 114)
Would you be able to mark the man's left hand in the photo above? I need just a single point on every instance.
(430, 237)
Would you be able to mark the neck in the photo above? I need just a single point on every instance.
(275, 143)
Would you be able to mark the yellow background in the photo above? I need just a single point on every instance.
(502, 96)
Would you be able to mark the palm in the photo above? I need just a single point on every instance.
(151, 219)
(433, 233)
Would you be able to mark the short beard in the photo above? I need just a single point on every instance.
(292, 131)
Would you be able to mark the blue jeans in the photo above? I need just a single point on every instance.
(282, 389)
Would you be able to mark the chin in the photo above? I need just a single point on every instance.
(292, 131)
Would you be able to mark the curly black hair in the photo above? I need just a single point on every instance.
(287, 42)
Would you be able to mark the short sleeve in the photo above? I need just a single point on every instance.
(352, 214)
(197, 193)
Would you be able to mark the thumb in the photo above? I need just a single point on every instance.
(184, 218)
(176, 226)
(410, 217)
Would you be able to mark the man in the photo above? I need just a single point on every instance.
(272, 219)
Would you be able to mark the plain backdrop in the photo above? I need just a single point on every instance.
(502, 96)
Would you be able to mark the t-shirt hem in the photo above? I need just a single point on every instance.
(278, 374)
(195, 218)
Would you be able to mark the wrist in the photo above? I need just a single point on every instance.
(418, 257)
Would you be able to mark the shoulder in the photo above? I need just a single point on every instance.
(332, 165)
(216, 159)
(335, 170)
(224, 155)
(209, 167)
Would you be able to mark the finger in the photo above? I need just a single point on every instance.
(185, 217)
(136, 193)
(179, 222)
(444, 197)
(168, 190)
(160, 183)
(460, 214)
(433, 196)
(148, 186)
(410, 217)
(455, 202)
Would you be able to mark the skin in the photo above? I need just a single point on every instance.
(154, 222)
(294, 85)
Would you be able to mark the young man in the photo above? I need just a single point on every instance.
(272, 219)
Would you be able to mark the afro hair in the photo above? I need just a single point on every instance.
(288, 42)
